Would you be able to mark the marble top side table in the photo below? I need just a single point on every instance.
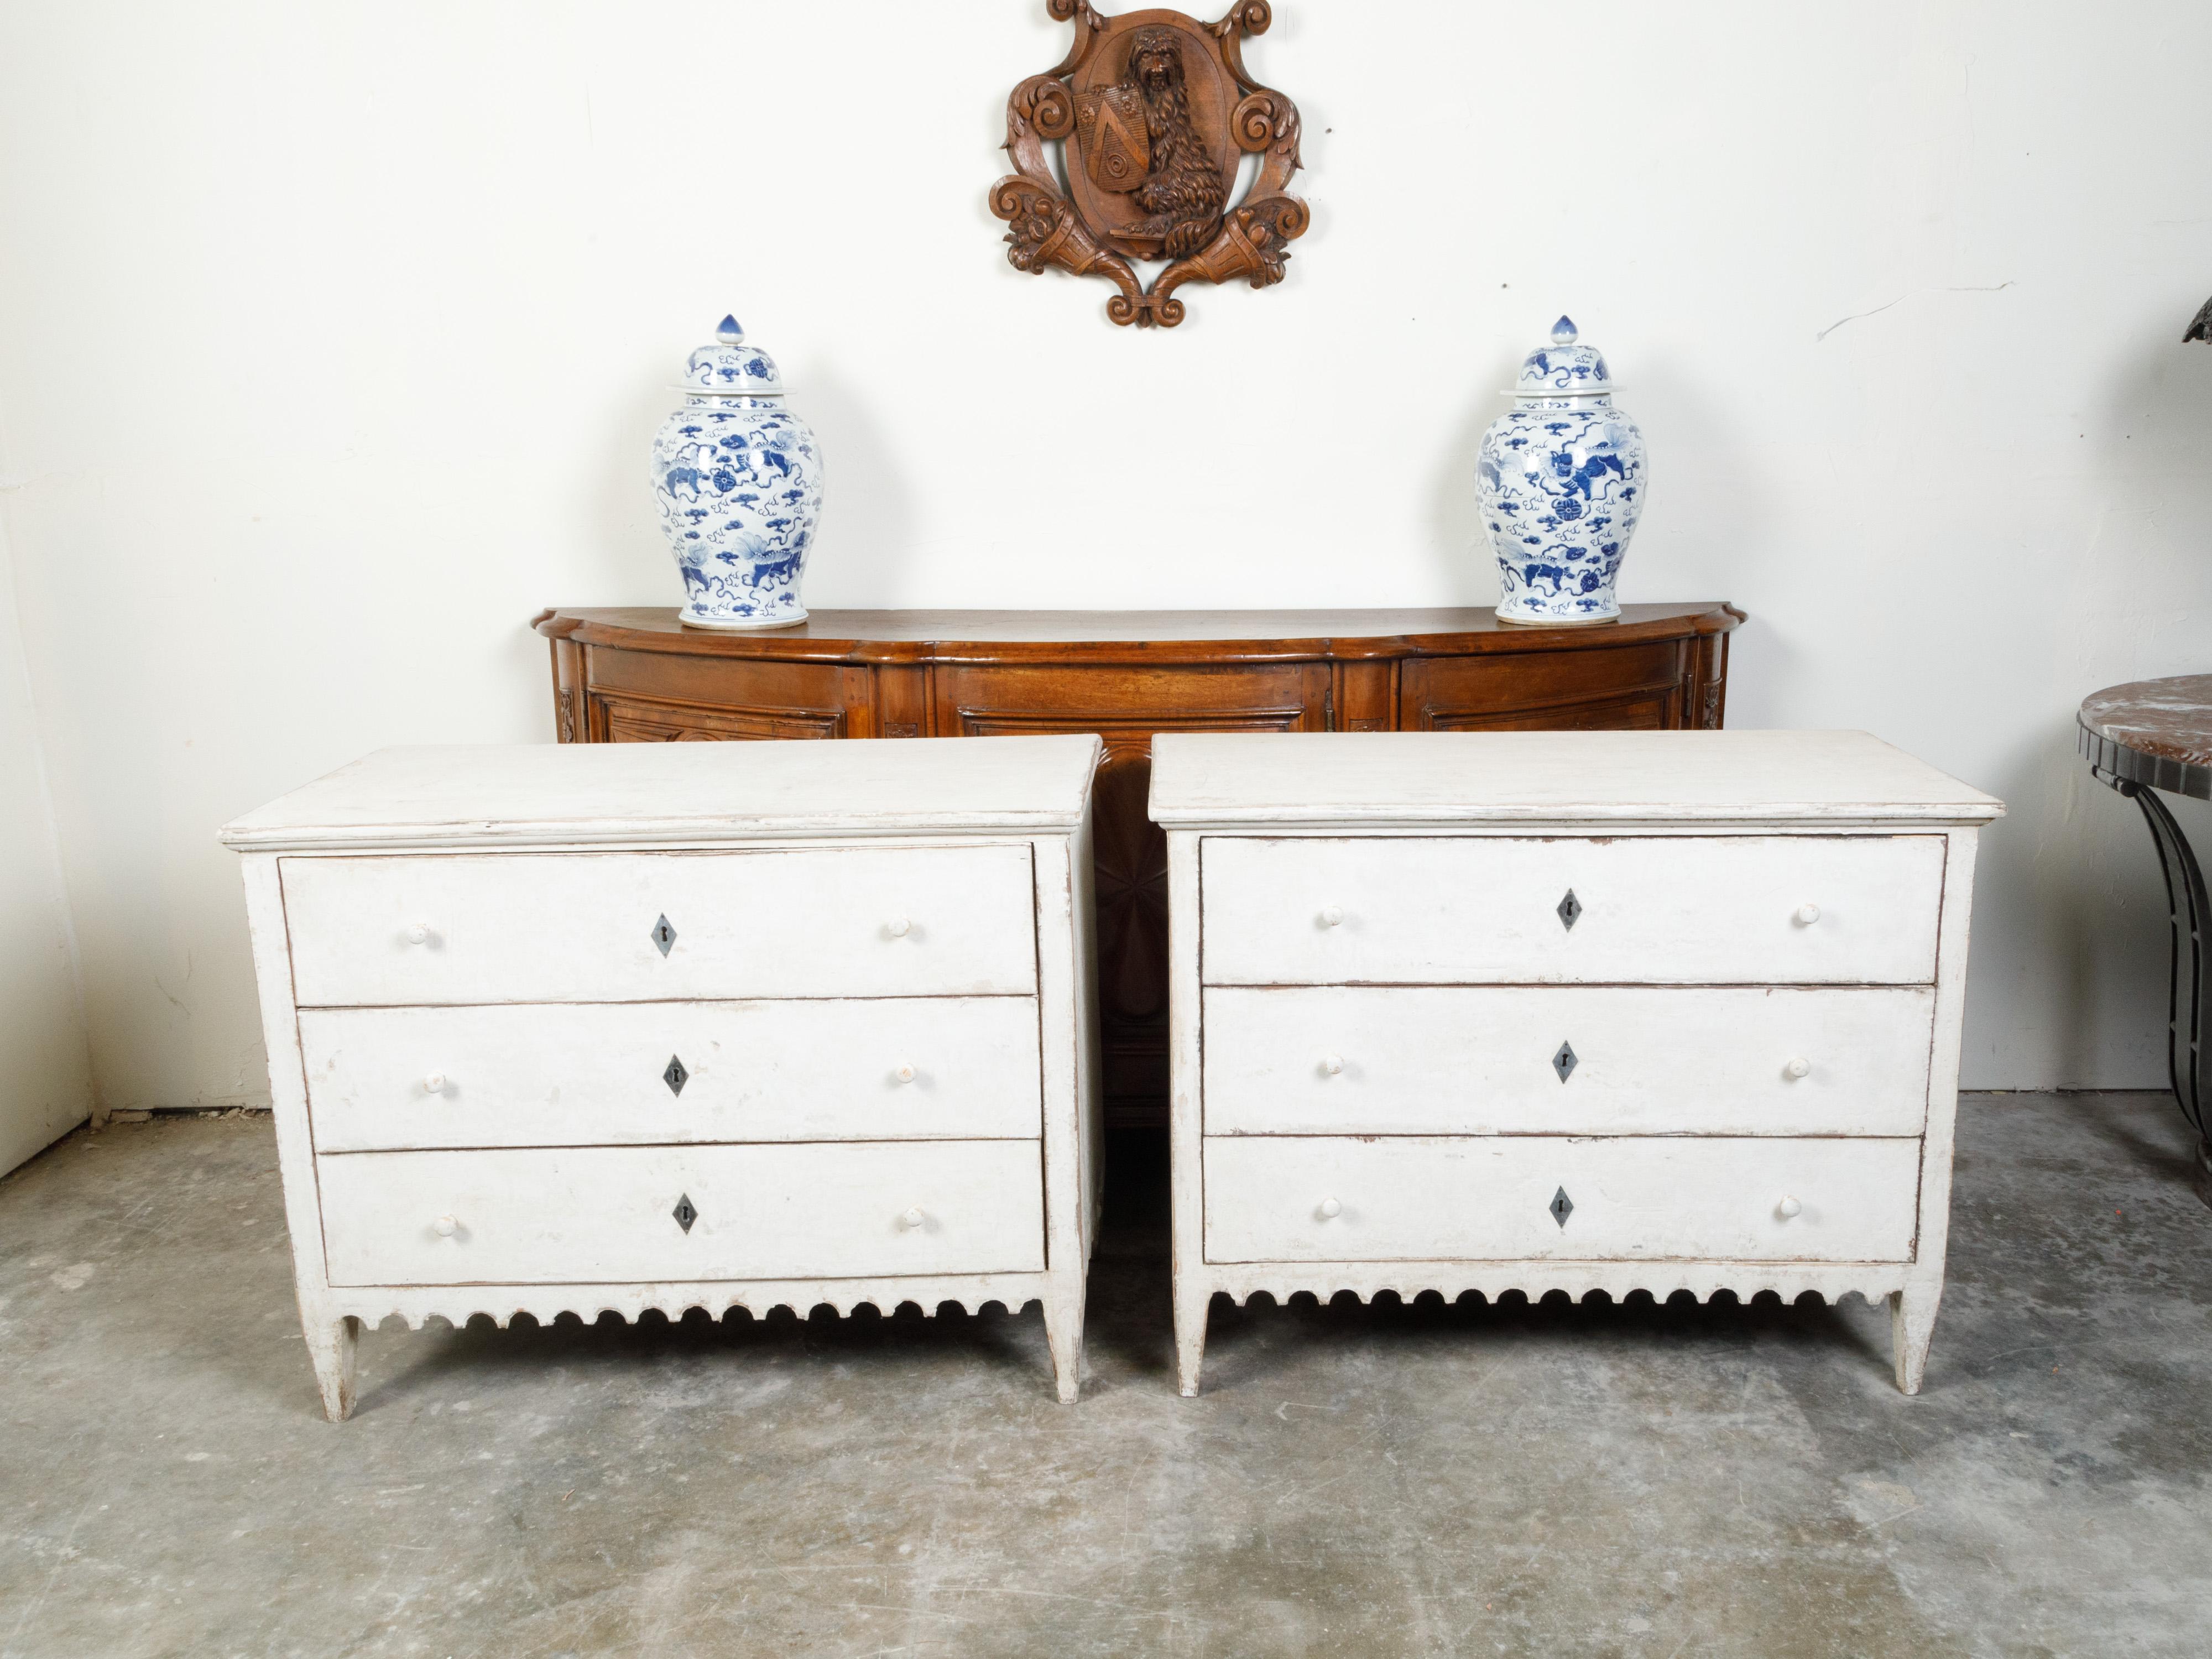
(2140, 738)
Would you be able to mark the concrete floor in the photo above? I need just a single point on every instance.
(1664, 1480)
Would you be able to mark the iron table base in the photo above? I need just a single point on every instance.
(2189, 992)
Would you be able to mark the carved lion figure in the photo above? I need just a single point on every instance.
(1183, 191)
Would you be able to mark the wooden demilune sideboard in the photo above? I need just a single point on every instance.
(639, 676)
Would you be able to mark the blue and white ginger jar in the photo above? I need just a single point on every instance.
(739, 483)
(1560, 480)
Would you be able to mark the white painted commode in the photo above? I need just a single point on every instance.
(612, 1027)
(1579, 1011)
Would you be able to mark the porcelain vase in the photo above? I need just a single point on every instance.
(1560, 482)
(738, 480)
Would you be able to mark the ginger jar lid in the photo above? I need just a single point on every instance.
(728, 368)
(1562, 368)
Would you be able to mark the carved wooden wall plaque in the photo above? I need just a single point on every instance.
(1154, 111)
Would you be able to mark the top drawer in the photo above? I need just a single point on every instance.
(581, 928)
(1652, 909)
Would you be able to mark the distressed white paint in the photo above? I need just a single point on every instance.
(1855, 1208)
(561, 927)
(424, 1228)
(1682, 909)
(1463, 1059)
(1815, 780)
(1315, 1198)
(436, 796)
(580, 1214)
(838, 1069)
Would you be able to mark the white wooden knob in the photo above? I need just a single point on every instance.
(435, 1084)
(1330, 1209)
(418, 932)
(1808, 914)
(444, 1226)
(1797, 1068)
(1331, 915)
(1332, 1064)
(904, 1074)
(912, 1218)
(896, 926)
(1788, 1207)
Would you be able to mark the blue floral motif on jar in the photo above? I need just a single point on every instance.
(738, 481)
(1559, 479)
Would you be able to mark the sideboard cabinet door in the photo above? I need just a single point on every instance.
(1640, 688)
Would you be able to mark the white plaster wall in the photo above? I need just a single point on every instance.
(334, 335)
(45, 1067)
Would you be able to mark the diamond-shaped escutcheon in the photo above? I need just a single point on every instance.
(675, 1076)
(1571, 907)
(684, 1214)
(1561, 1206)
(663, 935)
(1564, 1061)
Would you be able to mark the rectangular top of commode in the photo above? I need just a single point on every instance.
(645, 794)
(1202, 780)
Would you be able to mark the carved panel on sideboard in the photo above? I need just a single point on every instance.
(640, 720)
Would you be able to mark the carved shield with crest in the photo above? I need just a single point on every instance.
(1115, 146)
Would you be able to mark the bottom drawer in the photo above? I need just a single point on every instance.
(1426, 1199)
(607, 1214)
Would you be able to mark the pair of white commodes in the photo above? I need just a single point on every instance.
(582, 1028)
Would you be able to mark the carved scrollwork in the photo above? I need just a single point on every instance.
(1046, 232)
(1254, 122)
(1251, 245)
(1147, 172)
(1267, 121)
(1250, 18)
(1044, 102)
(1286, 216)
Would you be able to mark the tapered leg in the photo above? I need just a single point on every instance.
(330, 1345)
(1912, 1324)
(1063, 1329)
(1190, 1305)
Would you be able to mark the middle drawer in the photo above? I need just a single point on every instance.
(586, 1074)
(1581, 1060)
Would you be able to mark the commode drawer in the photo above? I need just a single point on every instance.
(587, 927)
(1569, 1060)
(1543, 1198)
(1646, 909)
(610, 1214)
(527, 1074)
